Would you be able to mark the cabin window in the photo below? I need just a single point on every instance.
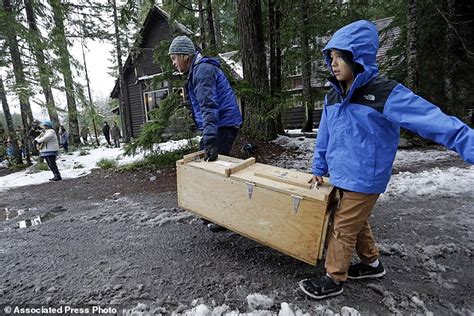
(152, 100)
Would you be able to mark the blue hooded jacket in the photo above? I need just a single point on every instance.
(359, 133)
(212, 98)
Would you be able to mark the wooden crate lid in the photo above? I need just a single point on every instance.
(224, 165)
(284, 181)
(270, 177)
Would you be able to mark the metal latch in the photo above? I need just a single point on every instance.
(250, 186)
(296, 203)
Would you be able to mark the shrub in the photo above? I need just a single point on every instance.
(106, 163)
(160, 160)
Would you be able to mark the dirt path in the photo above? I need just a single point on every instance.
(119, 238)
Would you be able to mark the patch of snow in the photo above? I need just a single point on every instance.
(286, 309)
(446, 182)
(256, 300)
(434, 181)
(75, 165)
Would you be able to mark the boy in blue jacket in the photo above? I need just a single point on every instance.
(213, 101)
(356, 144)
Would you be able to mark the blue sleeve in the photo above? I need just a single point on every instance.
(205, 89)
(424, 118)
(320, 166)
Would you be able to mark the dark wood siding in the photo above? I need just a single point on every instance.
(157, 30)
(136, 109)
(294, 117)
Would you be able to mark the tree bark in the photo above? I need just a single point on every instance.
(22, 88)
(202, 27)
(65, 64)
(45, 72)
(210, 25)
(412, 65)
(258, 120)
(124, 98)
(306, 70)
(10, 128)
(91, 104)
(274, 18)
(450, 60)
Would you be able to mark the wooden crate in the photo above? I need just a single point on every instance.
(271, 205)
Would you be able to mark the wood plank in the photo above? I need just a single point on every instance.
(283, 179)
(191, 157)
(266, 217)
(320, 193)
(240, 166)
(219, 166)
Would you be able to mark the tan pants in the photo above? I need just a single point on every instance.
(351, 230)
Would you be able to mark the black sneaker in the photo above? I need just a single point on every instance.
(320, 288)
(365, 271)
(216, 228)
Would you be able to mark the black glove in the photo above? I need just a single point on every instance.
(211, 152)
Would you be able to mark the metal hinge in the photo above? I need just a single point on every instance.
(250, 186)
(296, 203)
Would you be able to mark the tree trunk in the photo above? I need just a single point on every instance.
(21, 84)
(306, 70)
(210, 25)
(450, 60)
(412, 65)
(91, 104)
(8, 118)
(275, 57)
(258, 120)
(45, 72)
(65, 68)
(202, 27)
(124, 99)
(217, 27)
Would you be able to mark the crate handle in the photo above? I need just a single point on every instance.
(194, 156)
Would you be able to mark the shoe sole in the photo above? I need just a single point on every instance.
(368, 276)
(320, 297)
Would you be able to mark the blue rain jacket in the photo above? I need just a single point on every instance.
(212, 98)
(359, 134)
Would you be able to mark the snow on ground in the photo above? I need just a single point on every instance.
(76, 165)
(258, 305)
(447, 182)
(434, 181)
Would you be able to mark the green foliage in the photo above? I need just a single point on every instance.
(160, 160)
(106, 163)
(38, 167)
(153, 130)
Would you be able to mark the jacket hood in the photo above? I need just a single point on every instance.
(362, 40)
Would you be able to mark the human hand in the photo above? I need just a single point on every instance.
(211, 152)
(315, 181)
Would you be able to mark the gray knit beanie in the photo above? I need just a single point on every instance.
(182, 45)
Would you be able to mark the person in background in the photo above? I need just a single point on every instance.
(106, 132)
(116, 135)
(47, 144)
(213, 101)
(64, 139)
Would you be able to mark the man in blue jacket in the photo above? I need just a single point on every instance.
(213, 101)
(356, 145)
